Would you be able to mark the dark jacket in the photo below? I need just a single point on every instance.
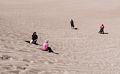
(34, 37)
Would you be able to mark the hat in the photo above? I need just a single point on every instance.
(46, 41)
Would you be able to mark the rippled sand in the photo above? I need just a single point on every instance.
(81, 51)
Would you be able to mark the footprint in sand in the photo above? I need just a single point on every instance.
(5, 57)
(10, 72)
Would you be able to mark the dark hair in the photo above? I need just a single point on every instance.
(34, 33)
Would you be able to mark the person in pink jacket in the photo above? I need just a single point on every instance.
(45, 46)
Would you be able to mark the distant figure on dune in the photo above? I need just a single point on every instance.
(45, 47)
(72, 23)
(101, 29)
(34, 38)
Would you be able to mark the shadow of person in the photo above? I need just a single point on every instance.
(51, 51)
(76, 28)
(27, 41)
(105, 33)
(32, 43)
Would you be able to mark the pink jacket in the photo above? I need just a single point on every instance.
(45, 46)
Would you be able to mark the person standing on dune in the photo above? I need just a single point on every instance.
(72, 23)
(101, 29)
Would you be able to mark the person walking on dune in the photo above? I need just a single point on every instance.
(72, 23)
(34, 38)
(101, 29)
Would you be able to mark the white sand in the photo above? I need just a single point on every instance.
(81, 51)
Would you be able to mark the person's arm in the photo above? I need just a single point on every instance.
(37, 37)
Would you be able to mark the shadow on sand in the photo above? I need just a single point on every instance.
(75, 28)
(103, 33)
(32, 43)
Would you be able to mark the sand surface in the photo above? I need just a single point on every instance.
(81, 51)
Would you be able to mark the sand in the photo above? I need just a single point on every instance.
(81, 51)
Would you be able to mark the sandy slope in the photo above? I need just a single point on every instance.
(81, 51)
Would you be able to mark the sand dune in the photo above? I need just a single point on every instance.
(81, 51)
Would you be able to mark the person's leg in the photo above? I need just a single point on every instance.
(31, 41)
(34, 41)
(101, 30)
(50, 50)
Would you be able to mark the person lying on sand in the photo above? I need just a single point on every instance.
(34, 38)
(45, 47)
